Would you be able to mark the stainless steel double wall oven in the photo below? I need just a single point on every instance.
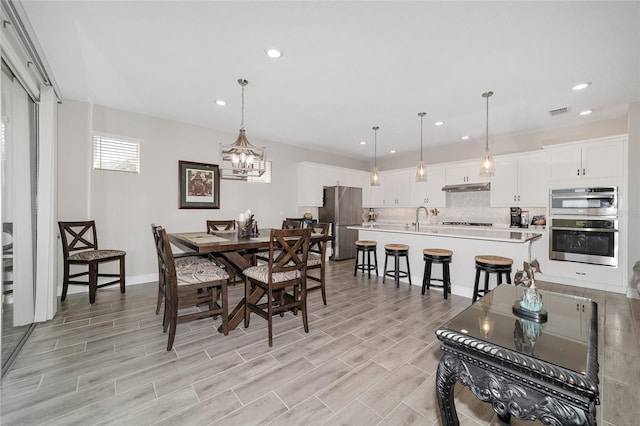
(584, 225)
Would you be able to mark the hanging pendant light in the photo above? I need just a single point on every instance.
(487, 168)
(421, 172)
(241, 160)
(375, 176)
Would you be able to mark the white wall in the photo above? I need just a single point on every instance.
(634, 196)
(125, 205)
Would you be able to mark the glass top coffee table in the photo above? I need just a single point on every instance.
(525, 368)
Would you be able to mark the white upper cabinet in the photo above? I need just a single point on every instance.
(429, 193)
(520, 180)
(598, 159)
(312, 178)
(395, 187)
(468, 172)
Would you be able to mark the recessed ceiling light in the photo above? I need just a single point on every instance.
(581, 86)
(439, 123)
(393, 151)
(587, 112)
(220, 102)
(273, 53)
(464, 138)
(363, 142)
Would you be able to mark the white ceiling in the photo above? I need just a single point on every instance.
(348, 66)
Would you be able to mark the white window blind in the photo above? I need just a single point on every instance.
(116, 153)
(266, 176)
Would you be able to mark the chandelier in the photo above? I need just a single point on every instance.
(241, 160)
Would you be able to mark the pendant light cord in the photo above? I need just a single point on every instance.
(421, 115)
(375, 147)
(486, 146)
(242, 82)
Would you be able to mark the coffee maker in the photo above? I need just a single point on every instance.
(516, 217)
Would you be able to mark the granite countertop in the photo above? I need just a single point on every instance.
(513, 235)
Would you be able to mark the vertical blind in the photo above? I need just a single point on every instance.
(116, 153)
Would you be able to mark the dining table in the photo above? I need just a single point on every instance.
(233, 251)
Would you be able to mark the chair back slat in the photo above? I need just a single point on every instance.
(319, 247)
(292, 224)
(166, 263)
(78, 236)
(220, 225)
(293, 245)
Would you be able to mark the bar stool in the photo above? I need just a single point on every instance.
(490, 264)
(397, 251)
(364, 246)
(443, 257)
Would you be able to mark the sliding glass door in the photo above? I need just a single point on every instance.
(18, 156)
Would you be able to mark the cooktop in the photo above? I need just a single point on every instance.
(468, 224)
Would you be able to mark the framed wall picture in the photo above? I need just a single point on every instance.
(199, 185)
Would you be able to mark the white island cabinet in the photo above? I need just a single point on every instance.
(464, 242)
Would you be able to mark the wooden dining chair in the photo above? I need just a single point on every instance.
(220, 225)
(223, 225)
(286, 271)
(317, 258)
(292, 224)
(80, 248)
(190, 284)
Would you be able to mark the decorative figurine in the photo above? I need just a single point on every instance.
(530, 305)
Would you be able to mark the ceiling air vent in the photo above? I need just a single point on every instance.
(558, 111)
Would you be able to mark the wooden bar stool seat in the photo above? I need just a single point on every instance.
(366, 247)
(442, 256)
(490, 264)
(396, 251)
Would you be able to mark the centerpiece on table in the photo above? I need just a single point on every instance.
(530, 306)
(247, 225)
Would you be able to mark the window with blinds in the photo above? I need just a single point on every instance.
(116, 153)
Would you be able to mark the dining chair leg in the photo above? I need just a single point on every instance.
(65, 281)
(322, 287)
(159, 301)
(247, 309)
(93, 281)
(122, 275)
(303, 297)
(173, 322)
(270, 315)
(225, 309)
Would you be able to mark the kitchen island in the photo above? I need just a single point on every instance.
(465, 242)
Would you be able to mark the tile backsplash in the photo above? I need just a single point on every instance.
(461, 207)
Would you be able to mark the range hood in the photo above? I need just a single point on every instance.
(467, 187)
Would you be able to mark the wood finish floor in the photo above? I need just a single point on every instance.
(370, 358)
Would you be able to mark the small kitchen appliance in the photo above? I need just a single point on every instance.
(516, 217)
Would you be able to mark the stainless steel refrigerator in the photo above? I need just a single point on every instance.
(343, 208)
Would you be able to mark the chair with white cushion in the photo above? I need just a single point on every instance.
(80, 248)
(288, 270)
(194, 283)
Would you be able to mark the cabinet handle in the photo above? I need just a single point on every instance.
(584, 172)
(518, 198)
(427, 201)
(578, 174)
(514, 198)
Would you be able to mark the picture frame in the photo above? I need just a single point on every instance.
(199, 185)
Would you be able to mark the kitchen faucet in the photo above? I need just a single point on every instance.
(418, 214)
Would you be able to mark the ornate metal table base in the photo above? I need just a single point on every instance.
(510, 394)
